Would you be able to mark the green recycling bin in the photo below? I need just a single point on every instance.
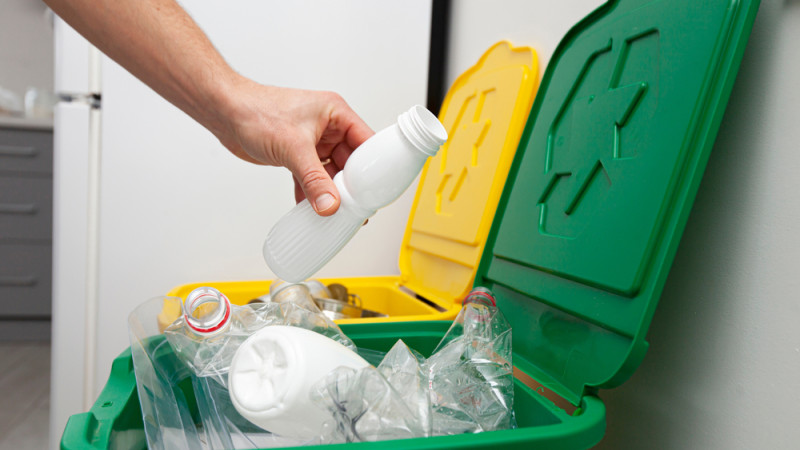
(586, 229)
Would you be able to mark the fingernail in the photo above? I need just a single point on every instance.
(324, 202)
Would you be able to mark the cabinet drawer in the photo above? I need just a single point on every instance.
(26, 151)
(26, 208)
(25, 280)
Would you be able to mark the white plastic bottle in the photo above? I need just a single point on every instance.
(273, 371)
(375, 175)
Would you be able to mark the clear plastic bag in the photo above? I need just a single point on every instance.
(160, 380)
(466, 385)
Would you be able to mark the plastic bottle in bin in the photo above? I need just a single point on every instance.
(211, 328)
(480, 295)
(470, 371)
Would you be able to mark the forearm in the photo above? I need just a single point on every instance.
(160, 44)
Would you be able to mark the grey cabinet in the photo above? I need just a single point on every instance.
(26, 223)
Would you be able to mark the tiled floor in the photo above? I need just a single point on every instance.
(24, 395)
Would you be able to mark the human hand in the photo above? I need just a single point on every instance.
(297, 129)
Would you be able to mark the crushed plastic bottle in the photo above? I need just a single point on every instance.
(470, 371)
(466, 386)
(373, 404)
(402, 367)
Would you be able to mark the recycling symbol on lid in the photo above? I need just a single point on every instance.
(595, 151)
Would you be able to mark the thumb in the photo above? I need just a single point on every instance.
(314, 181)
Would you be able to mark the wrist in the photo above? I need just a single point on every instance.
(223, 103)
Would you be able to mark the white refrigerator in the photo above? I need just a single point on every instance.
(146, 199)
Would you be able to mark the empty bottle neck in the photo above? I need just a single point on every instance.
(480, 296)
(206, 311)
(422, 129)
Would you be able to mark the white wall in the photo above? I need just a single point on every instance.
(723, 369)
(540, 24)
(26, 46)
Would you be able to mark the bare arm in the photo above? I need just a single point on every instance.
(160, 44)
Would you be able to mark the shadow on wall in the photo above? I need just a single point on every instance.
(668, 401)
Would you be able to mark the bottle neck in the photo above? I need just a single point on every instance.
(422, 129)
(481, 296)
(296, 293)
(206, 311)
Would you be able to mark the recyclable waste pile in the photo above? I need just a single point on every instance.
(280, 373)
(466, 386)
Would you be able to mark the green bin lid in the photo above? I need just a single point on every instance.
(603, 180)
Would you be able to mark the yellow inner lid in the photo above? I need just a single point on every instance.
(484, 113)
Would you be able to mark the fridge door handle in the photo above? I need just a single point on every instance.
(18, 208)
(18, 281)
(19, 151)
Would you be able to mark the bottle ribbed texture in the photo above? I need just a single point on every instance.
(302, 241)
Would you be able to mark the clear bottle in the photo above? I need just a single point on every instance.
(475, 352)
(212, 329)
(375, 175)
(481, 296)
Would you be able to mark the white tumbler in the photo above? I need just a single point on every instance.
(273, 371)
(375, 175)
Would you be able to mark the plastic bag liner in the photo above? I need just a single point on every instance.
(466, 385)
